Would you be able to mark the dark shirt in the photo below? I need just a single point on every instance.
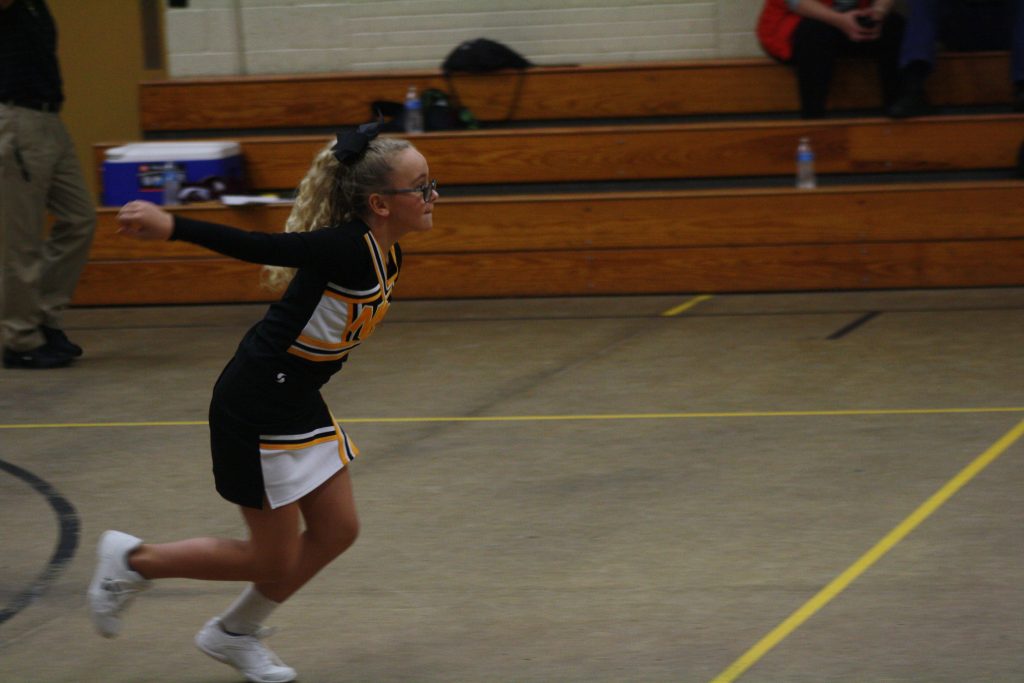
(340, 293)
(29, 71)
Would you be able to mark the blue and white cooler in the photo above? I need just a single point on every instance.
(138, 170)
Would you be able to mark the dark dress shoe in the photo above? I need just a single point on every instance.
(58, 341)
(909, 104)
(39, 358)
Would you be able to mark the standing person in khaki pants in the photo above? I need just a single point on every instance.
(39, 173)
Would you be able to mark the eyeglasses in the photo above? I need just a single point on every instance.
(426, 191)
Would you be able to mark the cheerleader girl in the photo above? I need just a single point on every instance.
(277, 451)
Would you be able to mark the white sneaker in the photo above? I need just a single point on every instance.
(114, 585)
(253, 659)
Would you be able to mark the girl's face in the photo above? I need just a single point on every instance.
(408, 211)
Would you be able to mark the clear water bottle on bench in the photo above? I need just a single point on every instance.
(805, 176)
(172, 184)
(413, 111)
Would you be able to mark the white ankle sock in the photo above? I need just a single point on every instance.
(248, 612)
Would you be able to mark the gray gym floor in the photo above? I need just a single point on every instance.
(784, 488)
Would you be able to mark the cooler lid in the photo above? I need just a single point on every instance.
(173, 151)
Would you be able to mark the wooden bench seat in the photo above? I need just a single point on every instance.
(861, 237)
(648, 89)
(662, 151)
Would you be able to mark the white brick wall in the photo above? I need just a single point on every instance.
(229, 37)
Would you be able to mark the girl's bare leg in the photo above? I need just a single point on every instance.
(276, 557)
(332, 526)
(268, 554)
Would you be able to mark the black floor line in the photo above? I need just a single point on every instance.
(67, 542)
(843, 331)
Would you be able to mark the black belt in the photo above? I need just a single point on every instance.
(38, 105)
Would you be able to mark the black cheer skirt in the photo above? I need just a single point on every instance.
(272, 437)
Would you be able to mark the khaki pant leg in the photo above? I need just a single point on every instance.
(24, 176)
(67, 248)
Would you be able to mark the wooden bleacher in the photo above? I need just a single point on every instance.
(664, 151)
(639, 90)
(517, 243)
(866, 237)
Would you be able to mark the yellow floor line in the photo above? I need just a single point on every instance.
(685, 306)
(568, 418)
(809, 608)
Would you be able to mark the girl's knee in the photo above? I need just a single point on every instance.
(339, 538)
(345, 535)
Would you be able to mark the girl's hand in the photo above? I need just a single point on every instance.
(144, 221)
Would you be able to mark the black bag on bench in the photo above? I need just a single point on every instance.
(483, 56)
(439, 113)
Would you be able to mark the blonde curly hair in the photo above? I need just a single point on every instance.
(333, 193)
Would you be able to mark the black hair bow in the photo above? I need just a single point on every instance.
(352, 143)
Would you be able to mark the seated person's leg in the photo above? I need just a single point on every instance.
(887, 51)
(917, 58)
(921, 34)
(816, 46)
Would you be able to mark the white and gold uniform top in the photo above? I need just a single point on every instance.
(340, 293)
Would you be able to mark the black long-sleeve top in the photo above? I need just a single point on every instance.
(340, 293)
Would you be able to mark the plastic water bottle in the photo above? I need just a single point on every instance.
(172, 184)
(413, 111)
(805, 177)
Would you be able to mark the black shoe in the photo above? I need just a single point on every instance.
(39, 358)
(911, 103)
(911, 99)
(1018, 96)
(58, 341)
